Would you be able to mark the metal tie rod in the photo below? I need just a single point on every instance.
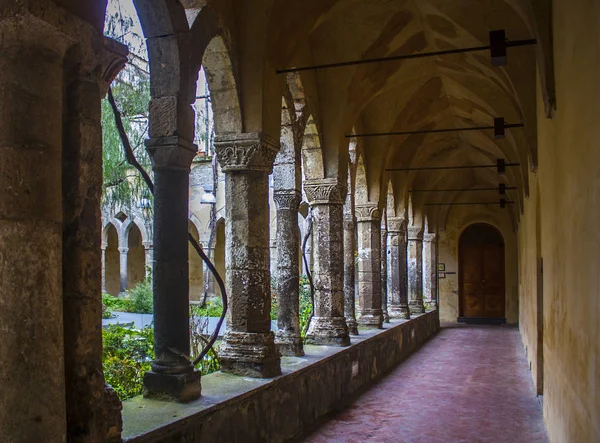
(499, 189)
(497, 47)
(502, 203)
(500, 165)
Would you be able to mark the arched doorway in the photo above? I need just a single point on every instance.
(196, 272)
(481, 275)
(112, 270)
(136, 257)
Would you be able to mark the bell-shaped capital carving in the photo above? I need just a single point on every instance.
(255, 151)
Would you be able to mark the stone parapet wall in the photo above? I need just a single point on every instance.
(234, 408)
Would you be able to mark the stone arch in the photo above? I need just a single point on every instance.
(223, 87)
(361, 185)
(136, 255)
(313, 167)
(110, 240)
(196, 265)
(197, 223)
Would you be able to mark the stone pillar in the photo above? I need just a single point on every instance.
(149, 253)
(249, 348)
(397, 269)
(368, 221)
(349, 267)
(123, 255)
(288, 338)
(415, 270)
(328, 325)
(430, 269)
(172, 375)
(103, 258)
(32, 373)
(384, 254)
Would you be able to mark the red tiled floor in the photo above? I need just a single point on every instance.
(469, 384)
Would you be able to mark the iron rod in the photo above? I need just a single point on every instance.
(467, 203)
(509, 44)
(463, 190)
(431, 131)
(437, 168)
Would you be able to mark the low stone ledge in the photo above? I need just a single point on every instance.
(234, 408)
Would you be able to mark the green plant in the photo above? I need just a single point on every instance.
(273, 312)
(126, 356)
(112, 303)
(305, 303)
(199, 338)
(141, 298)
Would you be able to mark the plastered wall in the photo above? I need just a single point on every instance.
(569, 210)
(459, 218)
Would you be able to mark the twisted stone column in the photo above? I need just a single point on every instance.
(328, 325)
(123, 255)
(349, 268)
(397, 269)
(368, 221)
(249, 348)
(288, 338)
(430, 269)
(32, 373)
(415, 270)
(172, 373)
(384, 254)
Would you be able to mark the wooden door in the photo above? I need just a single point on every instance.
(481, 272)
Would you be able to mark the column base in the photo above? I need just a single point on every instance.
(328, 331)
(371, 318)
(289, 343)
(352, 326)
(179, 387)
(250, 354)
(386, 317)
(433, 305)
(416, 308)
(401, 312)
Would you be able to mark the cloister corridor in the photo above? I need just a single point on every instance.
(467, 384)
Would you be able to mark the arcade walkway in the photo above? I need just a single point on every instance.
(469, 384)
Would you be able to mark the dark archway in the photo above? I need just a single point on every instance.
(112, 270)
(136, 257)
(481, 275)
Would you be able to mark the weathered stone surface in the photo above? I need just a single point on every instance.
(328, 326)
(430, 269)
(415, 270)
(32, 383)
(238, 409)
(397, 269)
(249, 347)
(349, 266)
(368, 221)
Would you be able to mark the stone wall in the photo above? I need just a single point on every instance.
(569, 209)
(240, 409)
(459, 218)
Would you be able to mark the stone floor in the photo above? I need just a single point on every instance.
(468, 384)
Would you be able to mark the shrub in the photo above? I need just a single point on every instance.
(140, 297)
(305, 304)
(126, 356)
(112, 303)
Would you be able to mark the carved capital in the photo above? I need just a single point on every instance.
(396, 225)
(325, 192)
(368, 212)
(287, 200)
(415, 234)
(123, 250)
(254, 151)
(171, 153)
(429, 236)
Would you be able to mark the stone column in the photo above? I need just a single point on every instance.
(123, 255)
(415, 270)
(384, 254)
(172, 375)
(328, 325)
(430, 269)
(249, 348)
(349, 267)
(149, 253)
(103, 258)
(32, 373)
(288, 338)
(397, 269)
(368, 221)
